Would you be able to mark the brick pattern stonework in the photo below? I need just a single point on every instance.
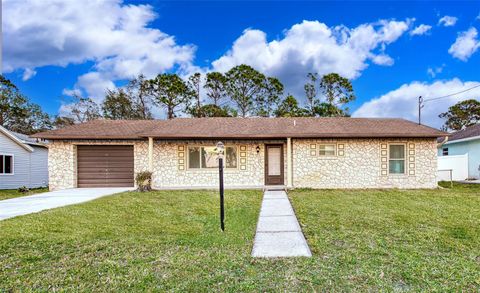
(358, 163)
(363, 163)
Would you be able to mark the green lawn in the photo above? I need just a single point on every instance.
(11, 193)
(170, 241)
(418, 240)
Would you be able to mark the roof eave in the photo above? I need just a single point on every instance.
(16, 139)
(463, 139)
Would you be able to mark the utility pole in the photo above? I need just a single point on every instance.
(420, 106)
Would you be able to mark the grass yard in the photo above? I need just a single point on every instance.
(373, 240)
(406, 240)
(11, 193)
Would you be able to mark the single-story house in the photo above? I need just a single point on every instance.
(23, 161)
(290, 152)
(464, 142)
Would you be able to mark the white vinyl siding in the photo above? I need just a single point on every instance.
(30, 168)
(39, 167)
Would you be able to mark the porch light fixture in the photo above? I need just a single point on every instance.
(258, 149)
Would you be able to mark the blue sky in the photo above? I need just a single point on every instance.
(392, 51)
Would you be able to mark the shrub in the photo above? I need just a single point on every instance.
(23, 189)
(144, 181)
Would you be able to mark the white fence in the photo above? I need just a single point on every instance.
(454, 166)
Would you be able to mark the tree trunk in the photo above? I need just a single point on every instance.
(170, 112)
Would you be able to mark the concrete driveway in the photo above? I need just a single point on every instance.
(10, 208)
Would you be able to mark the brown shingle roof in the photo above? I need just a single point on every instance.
(468, 132)
(183, 128)
(100, 129)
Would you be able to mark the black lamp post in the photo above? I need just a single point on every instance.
(220, 150)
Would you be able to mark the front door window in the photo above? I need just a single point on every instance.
(274, 164)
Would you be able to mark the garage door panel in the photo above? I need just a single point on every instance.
(87, 159)
(102, 165)
(125, 175)
(108, 168)
(107, 185)
(104, 153)
(105, 166)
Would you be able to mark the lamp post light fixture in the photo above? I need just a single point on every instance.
(220, 152)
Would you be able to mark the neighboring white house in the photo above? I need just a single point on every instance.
(461, 153)
(23, 161)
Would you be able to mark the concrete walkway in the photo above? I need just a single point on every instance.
(278, 232)
(10, 208)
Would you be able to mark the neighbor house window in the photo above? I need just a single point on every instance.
(327, 150)
(396, 163)
(6, 164)
(445, 151)
(206, 158)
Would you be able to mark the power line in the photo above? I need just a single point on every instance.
(422, 101)
(449, 95)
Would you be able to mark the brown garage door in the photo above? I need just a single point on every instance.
(105, 166)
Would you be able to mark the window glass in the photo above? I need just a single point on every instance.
(326, 150)
(396, 164)
(193, 157)
(8, 165)
(1, 164)
(397, 151)
(206, 157)
(397, 167)
(445, 151)
(231, 157)
(209, 157)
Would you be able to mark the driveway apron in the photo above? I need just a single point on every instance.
(10, 208)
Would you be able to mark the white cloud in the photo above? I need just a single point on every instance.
(71, 93)
(447, 20)
(433, 71)
(312, 46)
(403, 102)
(465, 45)
(28, 73)
(382, 59)
(95, 84)
(420, 30)
(113, 35)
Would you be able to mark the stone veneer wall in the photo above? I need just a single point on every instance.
(169, 171)
(171, 165)
(363, 163)
(359, 163)
(62, 159)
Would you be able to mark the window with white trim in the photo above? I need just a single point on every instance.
(325, 150)
(396, 159)
(203, 157)
(445, 151)
(6, 164)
